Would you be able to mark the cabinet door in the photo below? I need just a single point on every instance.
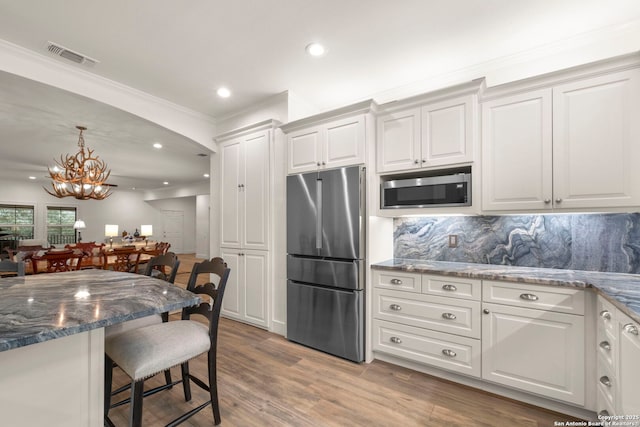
(230, 217)
(256, 278)
(629, 369)
(344, 143)
(534, 350)
(447, 132)
(304, 149)
(231, 301)
(595, 142)
(398, 141)
(255, 191)
(517, 152)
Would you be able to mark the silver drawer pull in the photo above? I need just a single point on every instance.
(605, 345)
(631, 328)
(450, 288)
(395, 307)
(603, 413)
(449, 316)
(396, 282)
(605, 314)
(395, 340)
(605, 380)
(529, 297)
(449, 353)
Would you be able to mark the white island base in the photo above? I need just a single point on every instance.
(56, 383)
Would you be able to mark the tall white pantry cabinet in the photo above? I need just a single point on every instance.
(245, 197)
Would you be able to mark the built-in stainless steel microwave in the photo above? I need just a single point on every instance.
(452, 189)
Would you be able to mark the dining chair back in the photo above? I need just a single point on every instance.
(58, 261)
(122, 259)
(144, 352)
(8, 266)
(164, 267)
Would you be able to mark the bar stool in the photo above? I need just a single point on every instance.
(144, 352)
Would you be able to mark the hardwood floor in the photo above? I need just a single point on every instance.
(265, 380)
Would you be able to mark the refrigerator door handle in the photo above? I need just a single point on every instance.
(319, 214)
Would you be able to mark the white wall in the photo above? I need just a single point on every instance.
(127, 209)
(202, 226)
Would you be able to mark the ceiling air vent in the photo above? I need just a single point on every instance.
(76, 57)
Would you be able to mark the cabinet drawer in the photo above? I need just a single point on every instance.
(551, 298)
(452, 287)
(445, 351)
(606, 316)
(461, 317)
(397, 280)
(606, 385)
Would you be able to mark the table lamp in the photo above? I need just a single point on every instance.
(146, 231)
(79, 225)
(111, 231)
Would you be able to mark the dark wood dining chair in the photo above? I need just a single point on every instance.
(11, 268)
(58, 261)
(145, 352)
(122, 259)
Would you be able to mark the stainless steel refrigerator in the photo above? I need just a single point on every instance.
(325, 261)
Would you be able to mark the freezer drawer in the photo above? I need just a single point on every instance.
(346, 274)
(329, 320)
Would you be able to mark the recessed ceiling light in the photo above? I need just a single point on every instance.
(223, 92)
(157, 145)
(32, 177)
(315, 49)
(166, 183)
(206, 175)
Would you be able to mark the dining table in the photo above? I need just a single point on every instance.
(52, 340)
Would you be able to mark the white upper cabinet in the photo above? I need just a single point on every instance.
(431, 135)
(570, 145)
(244, 191)
(517, 152)
(324, 142)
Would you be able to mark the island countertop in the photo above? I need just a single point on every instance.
(42, 307)
(623, 290)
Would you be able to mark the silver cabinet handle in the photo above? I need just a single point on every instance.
(324, 163)
(424, 161)
(450, 288)
(605, 380)
(547, 201)
(395, 307)
(486, 311)
(449, 316)
(529, 297)
(416, 161)
(605, 314)
(605, 345)
(395, 340)
(318, 164)
(558, 200)
(631, 328)
(449, 353)
(604, 413)
(396, 282)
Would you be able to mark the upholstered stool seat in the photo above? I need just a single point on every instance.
(144, 352)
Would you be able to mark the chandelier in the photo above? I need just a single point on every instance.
(81, 175)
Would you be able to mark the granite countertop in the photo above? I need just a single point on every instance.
(623, 290)
(43, 307)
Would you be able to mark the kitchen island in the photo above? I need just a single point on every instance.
(52, 340)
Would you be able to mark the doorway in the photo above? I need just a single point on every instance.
(172, 229)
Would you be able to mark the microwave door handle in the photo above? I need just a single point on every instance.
(319, 214)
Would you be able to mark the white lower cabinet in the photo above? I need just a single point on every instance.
(245, 298)
(414, 321)
(534, 350)
(628, 397)
(525, 337)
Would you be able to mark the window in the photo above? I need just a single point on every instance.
(16, 222)
(60, 225)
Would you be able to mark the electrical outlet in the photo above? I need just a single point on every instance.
(453, 240)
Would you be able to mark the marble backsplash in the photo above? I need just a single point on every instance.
(594, 242)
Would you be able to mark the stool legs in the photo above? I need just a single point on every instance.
(137, 388)
(186, 384)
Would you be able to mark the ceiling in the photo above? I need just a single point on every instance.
(183, 51)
